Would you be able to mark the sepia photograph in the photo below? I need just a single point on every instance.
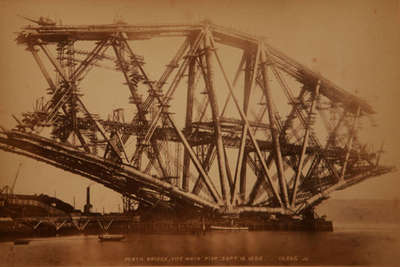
(199, 133)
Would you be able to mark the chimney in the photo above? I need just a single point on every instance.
(88, 206)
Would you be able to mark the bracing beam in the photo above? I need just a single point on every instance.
(274, 130)
(304, 145)
(250, 76)
(216, 119)
(245, 120)
(42, 68)
(189, 119)
(352, 134)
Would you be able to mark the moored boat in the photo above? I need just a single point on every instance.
(21, 242)
(109, 237)
(229, 228)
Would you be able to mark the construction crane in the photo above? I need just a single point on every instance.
(9, 190)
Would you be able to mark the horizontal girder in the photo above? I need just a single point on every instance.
(121, 178)
(55, 34)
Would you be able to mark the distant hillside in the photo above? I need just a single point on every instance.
(368, 211)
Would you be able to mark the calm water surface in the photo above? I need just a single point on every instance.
(343, 247)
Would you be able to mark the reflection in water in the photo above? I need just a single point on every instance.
(281, 248)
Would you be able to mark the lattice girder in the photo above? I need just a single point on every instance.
(259, 141)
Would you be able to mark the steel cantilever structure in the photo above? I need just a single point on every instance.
(259, 141)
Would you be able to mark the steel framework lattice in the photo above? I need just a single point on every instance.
(275, 138)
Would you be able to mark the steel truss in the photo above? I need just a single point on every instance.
(231, 158)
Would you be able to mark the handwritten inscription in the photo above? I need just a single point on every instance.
(213, 259)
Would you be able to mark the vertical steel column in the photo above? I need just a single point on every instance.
(243, 175)
(249, 78)
(350, 144)
(72, 85)
(304, 145)
(189, 118)
(228, 173)
(73, 91)
(216, 118)
(274, 130)
(379, 153)
(332, 135)
(157, 153)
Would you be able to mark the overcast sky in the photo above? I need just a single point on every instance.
(353, 43)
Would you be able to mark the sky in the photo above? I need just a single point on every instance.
(353, 43)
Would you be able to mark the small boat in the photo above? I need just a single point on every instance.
(21, 242)
(109, 237)
(229, 228)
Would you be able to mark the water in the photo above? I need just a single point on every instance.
(347, 246)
